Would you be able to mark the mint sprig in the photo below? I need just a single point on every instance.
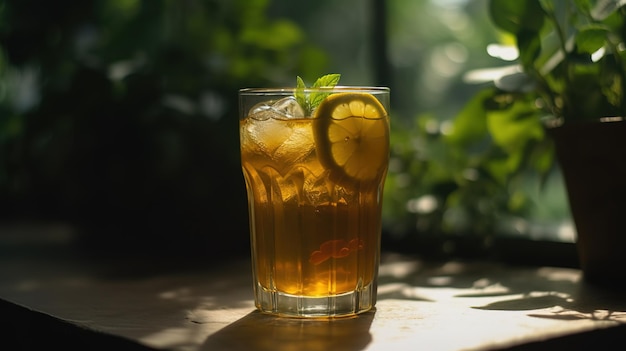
(311, 101)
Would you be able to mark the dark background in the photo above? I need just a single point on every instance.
(120, 117)
(118, 120)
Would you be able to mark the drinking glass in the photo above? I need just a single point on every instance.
(314, 163)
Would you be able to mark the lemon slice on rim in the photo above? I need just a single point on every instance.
(351, 132)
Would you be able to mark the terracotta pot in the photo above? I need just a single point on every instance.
(592, 157)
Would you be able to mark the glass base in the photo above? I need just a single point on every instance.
(343, 305)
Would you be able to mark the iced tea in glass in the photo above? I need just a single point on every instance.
(314, 177)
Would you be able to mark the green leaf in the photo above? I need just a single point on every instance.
(501, 168)
(590, 39)
(299, 94)
(309, 103)
(524, 19)
(327, 81)
(470, 124)
(514, 127)
(517, 16)
(529, 44)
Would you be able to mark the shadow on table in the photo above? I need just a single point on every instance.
(258, 331)
(583, 302)
(545, 292)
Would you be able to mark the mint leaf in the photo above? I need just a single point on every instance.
(299, 94)
(309, 103)
(327, 81)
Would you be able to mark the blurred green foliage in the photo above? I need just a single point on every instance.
(456, 172)
(120, 116)
(445, 174)
(448, 185)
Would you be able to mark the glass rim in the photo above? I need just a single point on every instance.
(335, 89)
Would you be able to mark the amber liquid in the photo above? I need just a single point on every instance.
(310, 236)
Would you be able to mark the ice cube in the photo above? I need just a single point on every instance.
(284, 108)
(288, 107)
(261, 111)
(266, 136)
(297, 146)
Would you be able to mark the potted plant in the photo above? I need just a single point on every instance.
(565, 97)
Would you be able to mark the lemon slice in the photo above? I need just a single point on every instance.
(351, 132)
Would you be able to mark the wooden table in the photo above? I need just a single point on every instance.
(78, 303)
